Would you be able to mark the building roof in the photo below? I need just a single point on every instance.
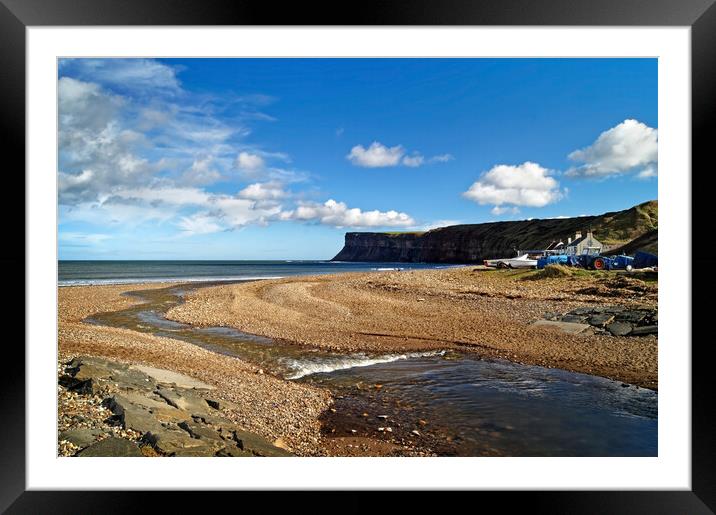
(581, 240)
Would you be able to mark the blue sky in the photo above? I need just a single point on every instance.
(278, 158)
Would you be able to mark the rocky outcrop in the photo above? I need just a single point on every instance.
(610, 320)
(159, 412)
(475, 242)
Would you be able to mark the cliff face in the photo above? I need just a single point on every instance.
(475, 242)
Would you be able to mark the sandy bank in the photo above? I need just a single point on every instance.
(484, 312)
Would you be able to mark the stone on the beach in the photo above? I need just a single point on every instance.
(112, 447)
(202, 431)
(619, 328)
(179, 443)
(633, 317)
(81, 437)
(565, 327)
(257, 445)
(133, 416)
(574, 319)
(644, 330)
(168, 377)
(233, 451)
(601, 319)
(183, 399)
(213, 403)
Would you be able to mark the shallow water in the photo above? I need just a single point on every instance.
(469, 406)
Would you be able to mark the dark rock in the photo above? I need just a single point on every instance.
(132, 416)
(179, 443)
(632, 317)
(644, 330)
(213, 403)
(81, 437)
(196, 430)
(183, 399)
(581, 311)
(619, 328)
(257, 445)
(233, 451)
(574, 319)
(601, 319)
(112, 447)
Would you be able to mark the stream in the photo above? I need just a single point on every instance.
(452, 403)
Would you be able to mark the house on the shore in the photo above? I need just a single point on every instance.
(586, 244)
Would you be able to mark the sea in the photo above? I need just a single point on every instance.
(82, 273)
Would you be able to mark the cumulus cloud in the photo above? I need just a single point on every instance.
(528, 184)
(628, 147)
(414, 160)
(201, 172)
(338, 214)
(263, 191)
(376, 155)
(249, 162)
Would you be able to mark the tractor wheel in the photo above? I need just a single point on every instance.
(599, 264)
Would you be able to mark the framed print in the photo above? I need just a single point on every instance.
(412, 249)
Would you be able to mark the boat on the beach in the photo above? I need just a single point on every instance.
(522, 261)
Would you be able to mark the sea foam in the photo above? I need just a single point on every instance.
(301, 368)
(141, 280)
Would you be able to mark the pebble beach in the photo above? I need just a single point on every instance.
(489, 313)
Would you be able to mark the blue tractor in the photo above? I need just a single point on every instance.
(589, 261)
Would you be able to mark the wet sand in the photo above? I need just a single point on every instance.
(487, 312)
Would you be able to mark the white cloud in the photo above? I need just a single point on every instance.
(338, 214)
(497, 210)
(166, 195)
(413, 161)
(199, 223)
(628, 147)
(376, 155)
(125, 74)
(201, 172)
(442, 158)
(528, 184)
(237, 212)
(249, 162)
(263, 191)
(648, 172)
(440, 223)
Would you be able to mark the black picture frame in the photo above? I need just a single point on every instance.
(700, 15)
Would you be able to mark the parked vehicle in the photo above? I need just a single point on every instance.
(523, 261)
(645, 260)
(556, 259)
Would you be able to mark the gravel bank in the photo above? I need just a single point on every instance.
(268, 406)
(487, 312)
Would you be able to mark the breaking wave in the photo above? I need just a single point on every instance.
(141, 280)
(301, 368)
